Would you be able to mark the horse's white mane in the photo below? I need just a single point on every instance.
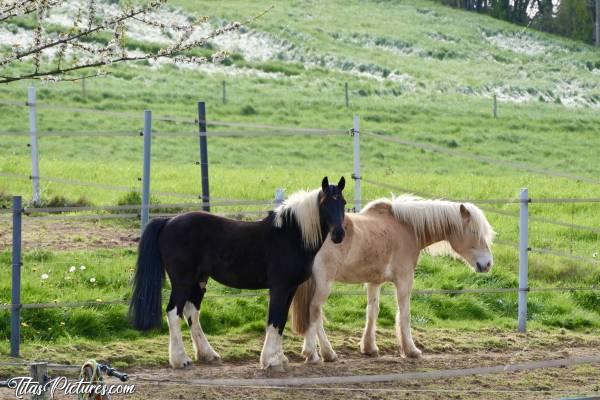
(436, 217)
(304, 206)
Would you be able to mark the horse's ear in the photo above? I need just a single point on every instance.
(325, 184)
(464, 212)
(341, 184)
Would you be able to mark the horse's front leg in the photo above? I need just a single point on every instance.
(309, 346)
(367, 342)
(279, 304)
(404, 286)
(326, 350)
(316, 329)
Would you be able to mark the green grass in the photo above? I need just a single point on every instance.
(446, 101)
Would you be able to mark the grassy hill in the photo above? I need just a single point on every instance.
(416, 71)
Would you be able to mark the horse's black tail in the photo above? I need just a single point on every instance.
(146, 300)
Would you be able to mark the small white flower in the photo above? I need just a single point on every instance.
(72, 269)
(44, 277)
(82, 268)
(92, 280)
(595, 255)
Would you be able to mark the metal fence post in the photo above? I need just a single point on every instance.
(224, 92)
(33, 144)
(356, 174)
(495, 106)
(523, 258)
(203, 156)
(15, 314)
(145, 212)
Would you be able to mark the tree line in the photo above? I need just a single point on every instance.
(574, 19)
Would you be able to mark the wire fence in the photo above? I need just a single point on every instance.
(169, 118)
(334, 293)
(256, 130)
(480, 158)
(287, 131)
(290, 132)
(104, 186)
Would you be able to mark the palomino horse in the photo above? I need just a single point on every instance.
(276, 253)
(382, 244)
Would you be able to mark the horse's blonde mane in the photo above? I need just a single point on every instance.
(436, 217)
(304, 207)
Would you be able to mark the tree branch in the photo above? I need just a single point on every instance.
(114, 51)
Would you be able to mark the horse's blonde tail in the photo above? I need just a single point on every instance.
(300, 308)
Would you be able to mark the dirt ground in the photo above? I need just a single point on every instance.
(60, 234)
(548, 383)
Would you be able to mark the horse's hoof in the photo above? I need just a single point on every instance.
(210, 359)
(372, 353)
(414, 353)
(181, 364)
(283, 359)
(275, 368)
(312, 358)
(330, 357)
(369, 351)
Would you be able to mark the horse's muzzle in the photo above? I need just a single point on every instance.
(337, 235)
(483, 267)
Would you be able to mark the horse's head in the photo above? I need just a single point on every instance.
(331, 208)
(472, 243)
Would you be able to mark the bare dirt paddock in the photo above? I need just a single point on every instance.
(544, 383)
(533, 384)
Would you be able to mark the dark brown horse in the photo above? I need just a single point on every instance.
(275, 253)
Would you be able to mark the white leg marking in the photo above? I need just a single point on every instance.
(327, 351)
(177, 356)
(309, 348)
(272, 353)
(202, 349)
(322, 291)
(403, 290)
(367, 343)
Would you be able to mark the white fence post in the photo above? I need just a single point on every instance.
(356, 173)
(33, 144)
(145, 212)
(523, 258)
(279, 197)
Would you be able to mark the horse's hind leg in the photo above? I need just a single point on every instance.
(403, 289)
(367, 343)
(177, 356)
(203, 350)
